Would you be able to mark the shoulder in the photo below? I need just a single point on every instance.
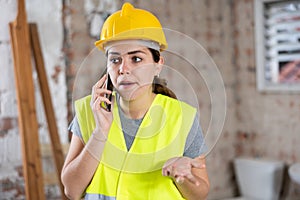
(195, 143)
(83, 101)
(171, 102)
(82, 105)
(164, 98)
(84, 116)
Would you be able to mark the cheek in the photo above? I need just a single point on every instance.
(113, 76)
(145, 75)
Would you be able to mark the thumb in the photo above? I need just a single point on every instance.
(199, 162)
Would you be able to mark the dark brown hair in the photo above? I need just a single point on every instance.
(159, 85)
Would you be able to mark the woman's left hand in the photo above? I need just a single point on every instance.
(180, 169)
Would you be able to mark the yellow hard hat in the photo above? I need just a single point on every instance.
(132, 23)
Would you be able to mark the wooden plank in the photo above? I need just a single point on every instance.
(50, 178)
(46, 149)
(47, 102)
(27, 119)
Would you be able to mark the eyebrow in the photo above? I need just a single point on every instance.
(128, 53)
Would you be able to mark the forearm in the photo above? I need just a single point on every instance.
(77, 173)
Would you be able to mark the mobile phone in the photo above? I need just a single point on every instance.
(110, 87)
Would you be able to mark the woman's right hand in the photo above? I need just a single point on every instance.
(83, 159)
(103, 118)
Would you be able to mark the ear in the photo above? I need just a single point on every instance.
(159, 65)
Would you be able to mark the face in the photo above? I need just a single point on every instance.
(132, 69)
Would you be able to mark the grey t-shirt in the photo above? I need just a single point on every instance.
(194, 145)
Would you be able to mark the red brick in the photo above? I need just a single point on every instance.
(8, 123)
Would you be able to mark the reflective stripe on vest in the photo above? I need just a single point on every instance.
(136, 174)
(98, 197)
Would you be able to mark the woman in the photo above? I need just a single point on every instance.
(149, 145)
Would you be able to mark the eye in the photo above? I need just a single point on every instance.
(115, 60)
(136, 59)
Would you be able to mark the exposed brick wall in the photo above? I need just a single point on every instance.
(6, 124)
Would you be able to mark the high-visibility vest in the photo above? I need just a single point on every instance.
(137, 173)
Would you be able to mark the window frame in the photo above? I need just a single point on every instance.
(262, 84)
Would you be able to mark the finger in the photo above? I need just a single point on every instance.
(166, 171)
(104, 99)
(169, 166)
(193, 179)
(97, 103)
(171, 161)
(101, 91)
(101, 82)
(179, 180)
(175, 172)
(199, 162)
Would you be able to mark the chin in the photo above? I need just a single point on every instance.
(132, 94)
(128, 96)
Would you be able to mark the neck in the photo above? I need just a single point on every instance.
(137, 108)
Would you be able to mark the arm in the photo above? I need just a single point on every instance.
(80, 165)
(189, 176)
(82, 159)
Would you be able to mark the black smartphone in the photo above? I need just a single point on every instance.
(110, 87)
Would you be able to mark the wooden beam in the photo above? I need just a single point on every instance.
(46, 149)
(27, 119)
(47, 102)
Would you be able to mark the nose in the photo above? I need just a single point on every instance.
(124, 68)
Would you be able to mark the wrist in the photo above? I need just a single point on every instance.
(99, 136)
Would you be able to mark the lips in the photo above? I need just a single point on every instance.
(126, 83)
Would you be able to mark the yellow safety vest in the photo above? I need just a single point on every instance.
(136, 174)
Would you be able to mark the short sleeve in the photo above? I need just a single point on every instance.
(195, 144)
(74, 127)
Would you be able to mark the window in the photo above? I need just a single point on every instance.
(277, 27)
